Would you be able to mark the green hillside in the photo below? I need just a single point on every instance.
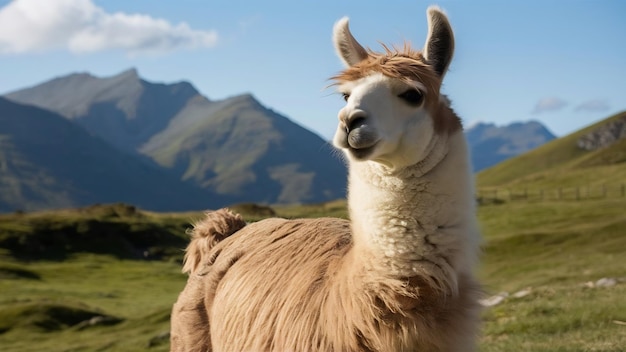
(561, 163)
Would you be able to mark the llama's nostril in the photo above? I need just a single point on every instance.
(355, 123)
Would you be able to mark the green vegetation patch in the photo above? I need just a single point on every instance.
(50, 316)
(116, 229)
(14, 271)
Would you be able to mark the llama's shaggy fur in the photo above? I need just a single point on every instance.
(398, 275)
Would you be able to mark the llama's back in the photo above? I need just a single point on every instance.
(247, 288)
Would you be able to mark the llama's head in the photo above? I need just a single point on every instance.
(393, 106)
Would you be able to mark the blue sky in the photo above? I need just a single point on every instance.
(557, 61)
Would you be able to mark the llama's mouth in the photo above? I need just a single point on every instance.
(362, 153)
(360, 141)
(361, 138)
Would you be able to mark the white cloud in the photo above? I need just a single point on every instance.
(81, 27)
(595, 105)
(549, 104)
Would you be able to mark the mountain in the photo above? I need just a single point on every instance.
(238, 147)
(47, 161)
(124, 110)
(578, 159)
(491, 144)
(235, 147)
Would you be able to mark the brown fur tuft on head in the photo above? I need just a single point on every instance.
(406, 64)
(216, 226)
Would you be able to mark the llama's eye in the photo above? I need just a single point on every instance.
(412, 96)
(345, 96)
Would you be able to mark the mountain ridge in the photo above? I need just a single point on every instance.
(233, 147)
(123, 109)
(48, 162)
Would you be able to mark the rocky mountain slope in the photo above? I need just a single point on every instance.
(47, 162)
(238, 147)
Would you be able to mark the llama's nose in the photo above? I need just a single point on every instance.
(354, 119)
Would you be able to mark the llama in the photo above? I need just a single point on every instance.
(398, 275)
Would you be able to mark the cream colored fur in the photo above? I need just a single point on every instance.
(397, 276)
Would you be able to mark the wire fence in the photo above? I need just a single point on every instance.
(496, 195)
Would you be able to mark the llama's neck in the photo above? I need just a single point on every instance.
(418, 217)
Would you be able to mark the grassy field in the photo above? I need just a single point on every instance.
(557, 227)
(551, 251)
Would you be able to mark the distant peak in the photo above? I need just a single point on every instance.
(512, 124)
(130, 73)
(246, 97)
(535, 123)
(479, 124)
(77, 74)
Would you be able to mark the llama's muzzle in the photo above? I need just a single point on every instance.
(361, 135)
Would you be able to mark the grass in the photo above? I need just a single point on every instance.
(554, 249)
(139, 293)
(558, 318)
(551, 248)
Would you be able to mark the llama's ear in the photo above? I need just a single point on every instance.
(439, 45)
(348, 49)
